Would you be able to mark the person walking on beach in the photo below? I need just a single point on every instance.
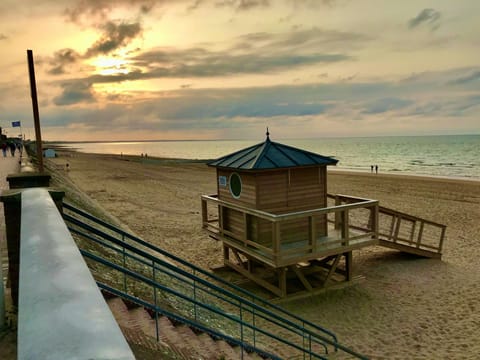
(371, 169)
(376, 169)
(4, 149)
(12, 147)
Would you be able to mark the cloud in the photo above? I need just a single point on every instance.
(3, 37)
(100, 9)
(74, 93)
(62, 58)
(475, 76)
(302, 40)
(384, 105)
(426, 16)
(114, 37)
(243, 5)
(254, 53)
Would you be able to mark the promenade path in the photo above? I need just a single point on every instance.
(8, 165)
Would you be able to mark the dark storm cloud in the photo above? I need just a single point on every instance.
(114, 36)
(75, 92)
(61, 59)
(426, 16)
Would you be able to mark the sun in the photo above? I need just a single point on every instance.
(111, 66)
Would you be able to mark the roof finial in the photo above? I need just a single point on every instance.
(268, 134)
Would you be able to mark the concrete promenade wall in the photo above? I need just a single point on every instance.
(62, 314)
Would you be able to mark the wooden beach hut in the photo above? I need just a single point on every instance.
(271, 213)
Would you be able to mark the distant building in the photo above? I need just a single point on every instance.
(49, 153)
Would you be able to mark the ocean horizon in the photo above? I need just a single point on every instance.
(452, 156)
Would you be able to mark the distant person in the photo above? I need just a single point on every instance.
(4, 149)
(376, 169)
(13, 147)
(371, 169)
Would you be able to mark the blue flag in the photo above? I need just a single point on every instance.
(16, 123)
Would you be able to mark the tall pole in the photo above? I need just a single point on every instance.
(36, 116)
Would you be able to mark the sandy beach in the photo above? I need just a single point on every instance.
(405, 308)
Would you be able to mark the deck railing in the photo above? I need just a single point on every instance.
(401, 231)
(279, 250)
(62, 314)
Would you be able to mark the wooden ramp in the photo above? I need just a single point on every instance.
(410, 234)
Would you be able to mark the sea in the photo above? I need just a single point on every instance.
(451, 156)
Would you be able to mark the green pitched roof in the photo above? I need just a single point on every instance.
(270, 155)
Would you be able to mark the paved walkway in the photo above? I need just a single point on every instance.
(8, 165)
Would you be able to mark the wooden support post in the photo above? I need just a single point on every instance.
(204, 214)
(348, 266)
(282, 281)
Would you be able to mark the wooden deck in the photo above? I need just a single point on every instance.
(312, 261)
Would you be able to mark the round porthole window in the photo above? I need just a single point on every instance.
(235, 185)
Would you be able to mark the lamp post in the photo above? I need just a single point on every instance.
(36, 116)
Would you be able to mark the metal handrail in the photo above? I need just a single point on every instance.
(207, 307)
(255, 299)
(269, 316)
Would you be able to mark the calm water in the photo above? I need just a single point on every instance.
(450, 155)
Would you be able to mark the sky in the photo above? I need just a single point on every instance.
(227, 69)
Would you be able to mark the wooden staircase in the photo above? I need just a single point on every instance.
(176, 341)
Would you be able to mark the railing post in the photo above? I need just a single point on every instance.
(204, 214)
(124, 265)
(194, 296)
(241, 327)
(338, 220)
(312, 234)
(345, 225)
(155, 301)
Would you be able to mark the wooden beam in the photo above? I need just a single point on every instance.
(302, 278)
(238, 258)
(332, 269)
(275, 290)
